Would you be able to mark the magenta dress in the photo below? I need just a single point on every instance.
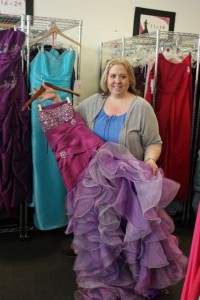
(191, 287)
(122, 234)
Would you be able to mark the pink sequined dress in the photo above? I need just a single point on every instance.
(122, 234)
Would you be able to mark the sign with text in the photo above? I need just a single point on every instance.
(16, 7)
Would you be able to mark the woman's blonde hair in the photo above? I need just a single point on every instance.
(129, 69)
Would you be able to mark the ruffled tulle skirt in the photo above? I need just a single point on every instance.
(122, 234)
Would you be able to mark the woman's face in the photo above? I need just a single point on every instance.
(118, 80)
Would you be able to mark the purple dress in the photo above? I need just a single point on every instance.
(15, 154)
(122, 234)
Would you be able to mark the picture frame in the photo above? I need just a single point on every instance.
(19, 7)
(29, 7)
(148, 20)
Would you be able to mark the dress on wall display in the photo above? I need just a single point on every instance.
(48, 188)
(116, 212)
(15, 147)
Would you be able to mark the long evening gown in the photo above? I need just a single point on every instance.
(122, 234)
(191, 287)
(173, 109)
(15, 150)
(48, 188)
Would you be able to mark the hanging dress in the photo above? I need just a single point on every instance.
(48, 188)
(191, 287)
(115, 205)
(196, 184)
(173, 109)
(15, 150)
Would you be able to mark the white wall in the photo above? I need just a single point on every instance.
(111, 19)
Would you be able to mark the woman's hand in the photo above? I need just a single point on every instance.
(152, 164)
(49, 94)
(151, 155)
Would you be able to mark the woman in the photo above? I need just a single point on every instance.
(122, 116)
(122, 234)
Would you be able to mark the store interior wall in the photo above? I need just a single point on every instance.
(107, 20)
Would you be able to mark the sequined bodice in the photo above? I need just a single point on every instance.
(72, 142)
(50, 118)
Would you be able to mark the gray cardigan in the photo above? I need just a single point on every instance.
(139, 130)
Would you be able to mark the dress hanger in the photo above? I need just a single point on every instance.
(7, 26)
(52, 30)
(172, 56)
(42, 89)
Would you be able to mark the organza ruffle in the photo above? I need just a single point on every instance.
(122, 234)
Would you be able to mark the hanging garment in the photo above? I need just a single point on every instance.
(196, 112)
(191, 287)
(122, 234)
(196, 185)
(48, 188)
(174, 113)
(48, 48)
(140, 77)
(15, 150)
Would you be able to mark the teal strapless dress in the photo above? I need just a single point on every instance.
(48, 188)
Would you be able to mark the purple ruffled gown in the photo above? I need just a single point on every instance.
(115, 205)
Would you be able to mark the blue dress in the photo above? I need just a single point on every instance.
(49, 191)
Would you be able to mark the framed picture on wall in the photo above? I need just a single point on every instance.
(149, 20)
(16, 7)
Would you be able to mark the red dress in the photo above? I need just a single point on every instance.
(174, 113)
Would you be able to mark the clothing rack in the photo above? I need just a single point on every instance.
(128, 48)
(35, 27)
(155, 43)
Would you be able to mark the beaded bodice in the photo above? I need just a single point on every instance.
(52, 117)
(71, 141)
